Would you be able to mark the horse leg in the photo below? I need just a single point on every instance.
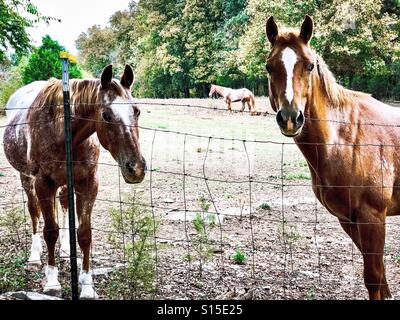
(371, 230)
(251, 107)
(46, 192)
(64, 234)
(228, 104)
(34, 263)
(243, 106)
(86, 193)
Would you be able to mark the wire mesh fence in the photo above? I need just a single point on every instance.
(226, 211)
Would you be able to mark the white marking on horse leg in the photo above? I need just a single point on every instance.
(289, 59)
(64, 235)
(87, 291)
(36, 250)
(52, 286)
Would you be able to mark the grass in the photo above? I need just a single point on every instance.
(239, 257)
(13, 275)
(265, 206)
(13, 222)
(298, 176)
(310, 295)
(12, 271)
(162, 126)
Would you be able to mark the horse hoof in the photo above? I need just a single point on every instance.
(34, 266)
(89, 294)
(54, 291)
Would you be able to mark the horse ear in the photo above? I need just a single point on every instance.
(307, 29)
(128, 77)
(271, 29)
(106, 76)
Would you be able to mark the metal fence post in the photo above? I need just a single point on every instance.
(65, 57)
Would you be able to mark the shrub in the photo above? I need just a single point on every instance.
(239, 257)
(133, 229)
(45, 63)
(12, 81)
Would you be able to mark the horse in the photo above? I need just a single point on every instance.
(234, 95)
(342, 135)
(34, 144)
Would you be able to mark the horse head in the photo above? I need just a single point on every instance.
(290, 66)
(117, 124)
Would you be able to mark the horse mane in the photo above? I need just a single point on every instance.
(84, 94)
(334, 92)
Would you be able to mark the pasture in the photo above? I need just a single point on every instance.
(262, 191)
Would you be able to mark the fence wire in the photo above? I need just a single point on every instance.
(197, 253)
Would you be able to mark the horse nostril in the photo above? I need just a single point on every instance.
(130, 166)
(300, 118)
(144, 165)
(279, 119)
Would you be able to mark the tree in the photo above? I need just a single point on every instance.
(97, 48)
(179, 48)
(354, 37)
(45, 63)
(15, 17)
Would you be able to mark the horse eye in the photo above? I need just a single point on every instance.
(268, 68)
(106, 116)
(310, 67)
(137, 112)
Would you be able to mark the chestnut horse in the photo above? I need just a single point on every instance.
(234, 95)
(353, 174)
(34, 144)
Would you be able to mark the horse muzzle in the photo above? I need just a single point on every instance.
(290, 121)
(134, 171)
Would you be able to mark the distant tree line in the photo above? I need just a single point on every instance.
(180, 47)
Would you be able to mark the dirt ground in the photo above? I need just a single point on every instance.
(294, 248)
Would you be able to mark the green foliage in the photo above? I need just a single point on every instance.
(310, 295)
(45, 63)
(15, 17)
(200, 241)
(12, 81)
(133, 233)
(12, 259)
(239, 257)
(353, 37)
(203, 223)
(97, 48)
(288, 233)
(265, 206)
(12, 271)
(180, 47)
(12, 222)
(298, 176)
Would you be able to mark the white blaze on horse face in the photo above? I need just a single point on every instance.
(289, 59)
(122, 110)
